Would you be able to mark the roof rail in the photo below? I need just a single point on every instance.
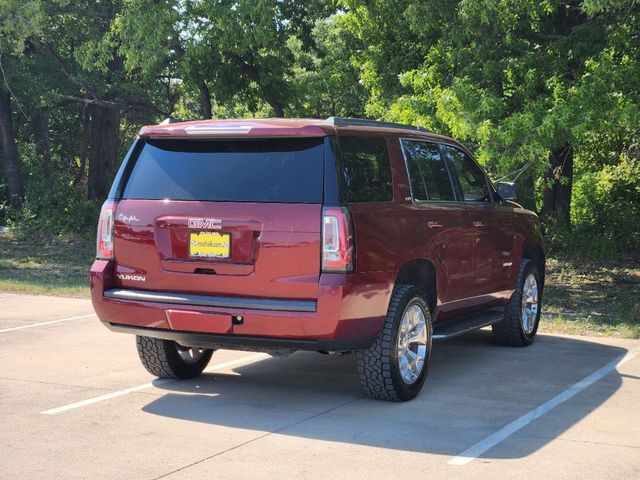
(364, 122)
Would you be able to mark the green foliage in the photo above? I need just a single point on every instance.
(324, 80)
(606, 207)
(513, 79)
(605, 215)
(51, 207)
(19, 20)
(62, 210)
(242, 51)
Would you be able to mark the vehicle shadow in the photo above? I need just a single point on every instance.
(474, 388)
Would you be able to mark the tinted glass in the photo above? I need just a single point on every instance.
(270, 170)
(469, 177)
(427, 171)
(367, 172)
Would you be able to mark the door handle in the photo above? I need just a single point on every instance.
(478, 224)
(433, 224)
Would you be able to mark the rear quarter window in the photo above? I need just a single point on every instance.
(366, 168)
(263, 170)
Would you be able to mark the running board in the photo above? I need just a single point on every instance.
(458, 326)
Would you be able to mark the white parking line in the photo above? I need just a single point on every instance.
(39, 324)
(144, 386)
(494, 439)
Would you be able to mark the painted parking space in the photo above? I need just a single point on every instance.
(23, 311)
(254, 416)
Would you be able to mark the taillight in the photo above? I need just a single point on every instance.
(104, 243)
(337, 240)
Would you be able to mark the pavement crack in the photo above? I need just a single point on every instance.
(235, 447)
(86, 387)
(42, 382)
(588, 442)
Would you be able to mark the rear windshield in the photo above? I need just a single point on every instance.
(266, 170)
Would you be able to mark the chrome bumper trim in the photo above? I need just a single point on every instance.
(177, 298)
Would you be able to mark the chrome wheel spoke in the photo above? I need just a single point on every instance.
(412, 319)
(419, 334)
(190, 355)
(529, 311)
(411, 359)
(411, 343)
(404, 366)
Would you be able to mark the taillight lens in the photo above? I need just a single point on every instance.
(337, 240)
(104, 243)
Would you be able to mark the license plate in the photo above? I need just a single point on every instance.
(210, 244)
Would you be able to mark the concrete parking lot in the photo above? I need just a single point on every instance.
(76, 403)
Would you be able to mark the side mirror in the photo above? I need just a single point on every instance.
(507, 190)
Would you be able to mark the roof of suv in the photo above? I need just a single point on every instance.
(275, 127)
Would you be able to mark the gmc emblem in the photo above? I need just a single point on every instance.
(205, 223)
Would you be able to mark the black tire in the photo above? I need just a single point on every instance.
(510, 331)
(161, 358)
(377, 366)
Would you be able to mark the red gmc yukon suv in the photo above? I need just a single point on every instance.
(334, 235)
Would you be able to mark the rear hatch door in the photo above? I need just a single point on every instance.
(232, 217)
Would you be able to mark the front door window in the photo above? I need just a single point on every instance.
(469, 178)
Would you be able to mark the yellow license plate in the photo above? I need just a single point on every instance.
(210, 244)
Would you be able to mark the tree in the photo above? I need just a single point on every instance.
(11, 164)
(240, 50)
(515, 79)
(18, 20)
(69, 57)
(325, 81)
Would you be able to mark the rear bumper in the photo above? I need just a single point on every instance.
(210, 340)
(346, 315)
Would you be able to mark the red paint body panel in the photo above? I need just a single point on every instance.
(185, 320)
(275, 248)
(450, 247)
(348, 307)
(268, 127)
(276, 253)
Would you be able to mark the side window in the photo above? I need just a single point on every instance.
(428, 173)
(367, 171)
(470, 179)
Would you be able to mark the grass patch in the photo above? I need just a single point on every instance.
(592, 298)
(58, 266)
(581, 298)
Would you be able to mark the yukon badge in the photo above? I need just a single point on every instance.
(205, 223)
(128, 276)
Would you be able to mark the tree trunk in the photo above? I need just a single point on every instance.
(526, 191)
(278, 108)
(84, 149)
(103, 149)
(558, 182)
(205, 100)
(268, 94)
(12, 165)
(40, 122)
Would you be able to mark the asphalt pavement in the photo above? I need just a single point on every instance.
(75, 402)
